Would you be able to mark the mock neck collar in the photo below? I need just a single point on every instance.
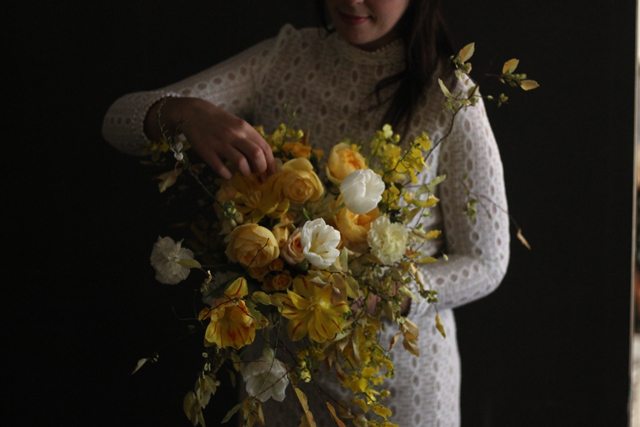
(390, 53)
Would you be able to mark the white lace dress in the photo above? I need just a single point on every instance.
(328, 84)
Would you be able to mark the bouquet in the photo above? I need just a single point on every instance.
(300, 272)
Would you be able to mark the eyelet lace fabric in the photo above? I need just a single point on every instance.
(321, 84)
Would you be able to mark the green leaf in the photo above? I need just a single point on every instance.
(434, 182)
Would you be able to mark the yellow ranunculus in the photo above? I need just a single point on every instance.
(297, 149)
(297, 181)
(252, 246)
(354, 228)
(230, 323)
(313, 310)
(343, 160)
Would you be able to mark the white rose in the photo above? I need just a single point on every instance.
(319, 243)
(388, 241)
(266, 377)
(362, 191)
(165, 259)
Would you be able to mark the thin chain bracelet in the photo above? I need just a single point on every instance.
(163, 131)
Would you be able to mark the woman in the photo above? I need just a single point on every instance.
(378, 66)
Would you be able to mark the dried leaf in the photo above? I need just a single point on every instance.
(440, 326)
(192, 409)
(261, 298)
(529, 84)
(433, 234)
(467, 52)
(167, 179)
(231, 413)
(522, 239)
(394, 340)
(189, 263)
(510, 66)
(304, 403)
(332, 411)
(444, 89)
(140, 364)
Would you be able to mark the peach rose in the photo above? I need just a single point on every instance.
(354, 228)
(343, 160)
(252, 246)
(292, 252)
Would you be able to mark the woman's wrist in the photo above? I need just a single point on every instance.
(166, 117)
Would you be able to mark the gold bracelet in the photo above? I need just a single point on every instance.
(163, 131)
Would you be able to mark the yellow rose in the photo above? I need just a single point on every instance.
(343, 160)
(277, 282)
(297, 181)
(354, 228)
(252, 246)
(230, 322)
(292, 252)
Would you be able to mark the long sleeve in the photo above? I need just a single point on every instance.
(232, 85)
(477, 249)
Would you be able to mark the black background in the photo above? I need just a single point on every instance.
(549, 348)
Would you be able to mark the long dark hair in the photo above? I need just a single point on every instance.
(428, 47)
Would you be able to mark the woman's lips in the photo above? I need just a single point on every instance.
(353, 19)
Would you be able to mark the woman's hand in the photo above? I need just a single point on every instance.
(224, 141)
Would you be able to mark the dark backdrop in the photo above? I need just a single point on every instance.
(548, 348)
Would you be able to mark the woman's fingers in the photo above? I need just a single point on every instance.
(236, 159)
(218, 166)
(254, 155)
(266, 149)
(256, 150)
(226, 142)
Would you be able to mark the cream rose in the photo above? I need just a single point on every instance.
(252, 246)
(320, 243)
(343, 160)
(362, 191)
(388, 241)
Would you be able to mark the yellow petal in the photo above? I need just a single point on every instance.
(467, 52)
(237, 289)
(510, 66)
(529, 84)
